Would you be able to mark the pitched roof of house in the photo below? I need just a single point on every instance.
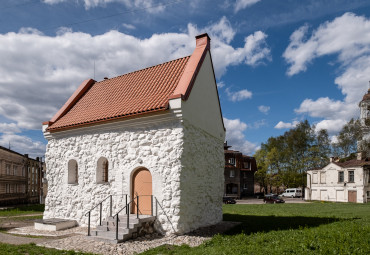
(140, 92)
(353, 163)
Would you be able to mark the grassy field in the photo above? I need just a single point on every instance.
(314, 228)
(32, 249)
(22, 210)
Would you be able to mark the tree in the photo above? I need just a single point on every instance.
(347, 138)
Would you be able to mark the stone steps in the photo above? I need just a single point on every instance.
(107, 231)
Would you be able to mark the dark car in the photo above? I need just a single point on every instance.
(273, 199)
(228, 200)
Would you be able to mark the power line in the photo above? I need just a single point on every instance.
(115, 14)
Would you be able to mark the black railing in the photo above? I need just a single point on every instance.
(101, 210)
(127, 207)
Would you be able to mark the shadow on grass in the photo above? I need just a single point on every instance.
(253, 224)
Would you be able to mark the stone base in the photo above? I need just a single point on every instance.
(54, 224)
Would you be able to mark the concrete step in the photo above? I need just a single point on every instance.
(107, 231)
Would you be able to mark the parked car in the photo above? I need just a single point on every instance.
(228, 200)
(294, 192)
(273, 199)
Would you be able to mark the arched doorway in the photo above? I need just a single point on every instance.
(142, 187)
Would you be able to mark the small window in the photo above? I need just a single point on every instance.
(72, 172)
(102, 173)
(7, 166)
(15, 171)
(314, 178)
(351, 176)
(340, 176)
(322, 177)
(232, 161)
(246, 165)
(232, 173)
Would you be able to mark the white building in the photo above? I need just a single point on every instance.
(344, 181)
(340, 182)
(157, 131)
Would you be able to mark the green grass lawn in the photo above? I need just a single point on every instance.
(32, 249)
(314, 228)
(22, 210)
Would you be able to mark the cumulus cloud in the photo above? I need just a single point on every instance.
(149, 5)
(23, 145)
(242, 4)
(9, 128)
(236, 138)
(264, 109)
(347, 37)
(240, 95)
(54, 66)
(285, 125)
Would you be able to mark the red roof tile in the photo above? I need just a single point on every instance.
(144, 91)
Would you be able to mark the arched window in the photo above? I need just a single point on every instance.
(72, 172)
(102, 170)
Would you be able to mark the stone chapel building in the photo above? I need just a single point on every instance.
(157, 131)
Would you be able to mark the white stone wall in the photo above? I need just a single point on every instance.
(157, 147)
(202, 180)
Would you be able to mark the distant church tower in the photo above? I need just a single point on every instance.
(365, 117)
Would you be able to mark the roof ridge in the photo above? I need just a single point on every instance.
(132, 72)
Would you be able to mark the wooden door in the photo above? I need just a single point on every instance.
(142, 187)
(352, 196)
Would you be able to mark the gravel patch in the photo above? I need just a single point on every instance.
(140, 244)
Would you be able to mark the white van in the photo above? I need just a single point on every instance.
(296, 192)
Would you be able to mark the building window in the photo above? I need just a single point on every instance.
(15, 170)
(351, 176)
(340, 176)
(102, 172)
(7, 166)
(244, 175)
(72, 172)
(232, 173)
(245, 186)
(232, 161)
(23, 171)
(246, 165)
(7, 188)
(322, 177)
(314, 178)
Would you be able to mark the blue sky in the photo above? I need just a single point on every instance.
(276, 62)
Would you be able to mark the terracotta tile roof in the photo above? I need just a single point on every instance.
(144, 91)
(131, 94)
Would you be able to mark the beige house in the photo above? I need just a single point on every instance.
(340, 182)
(20, 178)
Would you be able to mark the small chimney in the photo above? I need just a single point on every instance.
(203, 39)
(361, 155)
(105, 78)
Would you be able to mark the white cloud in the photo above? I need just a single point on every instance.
(9, 128)
(348, 37)
(53, 67)
(237, 96)
(285, 125)
(259, 123)
(242, 4)
(23, 145)
(264, 109)
(128, 26)
(220, 84)
(149, 5)
(236, 138)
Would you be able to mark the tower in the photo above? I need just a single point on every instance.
(365, 119)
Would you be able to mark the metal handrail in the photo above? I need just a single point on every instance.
(127, 206)
(101, 209)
